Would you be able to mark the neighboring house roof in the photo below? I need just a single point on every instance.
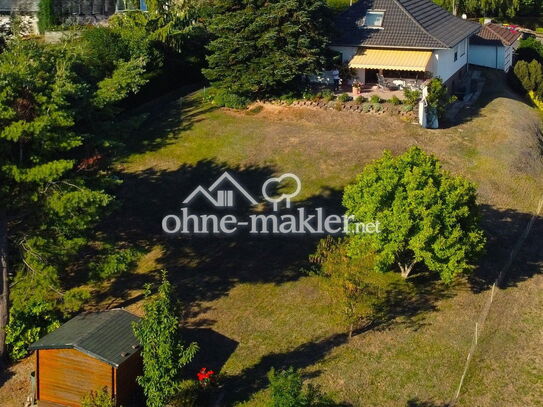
(496, 35)
(104, 335)
(21, 6)
(406, 24)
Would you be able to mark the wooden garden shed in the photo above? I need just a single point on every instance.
(90, 352)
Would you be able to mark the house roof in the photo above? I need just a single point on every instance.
(494, 34)
(104, 335)
(406, 24)
(23, 6)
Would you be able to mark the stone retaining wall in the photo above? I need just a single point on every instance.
(365, 108)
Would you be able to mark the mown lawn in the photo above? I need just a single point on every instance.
(252, 291)
(250, 306)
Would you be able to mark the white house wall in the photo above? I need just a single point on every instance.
(347, 53)
(492, 56)
(443, 64)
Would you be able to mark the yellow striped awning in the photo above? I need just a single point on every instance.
(393, 59)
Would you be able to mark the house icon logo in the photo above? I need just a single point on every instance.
(219, 196)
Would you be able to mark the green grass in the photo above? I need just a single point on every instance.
(252, 291)
(338, 5)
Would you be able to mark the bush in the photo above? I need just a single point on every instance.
(377, 107)
(327, 95)
(46, 15)
(360, 100)
(287, 390)
(189, 394)
(375, 99)
(530, 77)
(28, 325)
(408, 108)
(412, 97)
(223, 98)
(530, 49)
(395, 100)
(438, 97)
(112, 265)
(100, 398)
(344, 98)
(307, 95)
(366, 107)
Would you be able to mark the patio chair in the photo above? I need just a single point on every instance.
(384, 84)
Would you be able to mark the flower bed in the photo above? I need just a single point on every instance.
(367, 108)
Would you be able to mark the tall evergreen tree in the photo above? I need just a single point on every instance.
(264, 47)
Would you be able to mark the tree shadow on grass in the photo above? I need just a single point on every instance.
(503, 229)
(206, 267)
(160, 122)
(406, 305)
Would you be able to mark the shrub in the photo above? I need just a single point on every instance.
(344, 98)
(366, 107)
(327, 95)
(395, 100)
(529, 49)
(530, 77)
(28, 325)
(255, 110)
(224, 98)
(438, 97)
(408, 108)
(412, 97)
(100, 398)
(46, 15)
(188, 396)
(307, 95)
(360, 100)
(338, 106)
(287, 390)
(113, 264)
(377, 107)
(375, 99)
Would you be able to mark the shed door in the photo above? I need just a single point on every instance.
(66, 375)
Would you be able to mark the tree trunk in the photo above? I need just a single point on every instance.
(4, 283)
(351, 331)
(406, 269)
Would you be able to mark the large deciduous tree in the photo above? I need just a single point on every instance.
(265, 47)
(427, 216)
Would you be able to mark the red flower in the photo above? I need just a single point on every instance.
(205, 375)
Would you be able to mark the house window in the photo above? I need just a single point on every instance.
(463, 48)
(374, 19)
(456, 53)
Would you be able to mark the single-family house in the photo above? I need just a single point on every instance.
(91, 352)
(494, 47)
(403, 41)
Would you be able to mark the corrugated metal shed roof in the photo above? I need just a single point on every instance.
(494, 34)
(407, 24)
(105, 335)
